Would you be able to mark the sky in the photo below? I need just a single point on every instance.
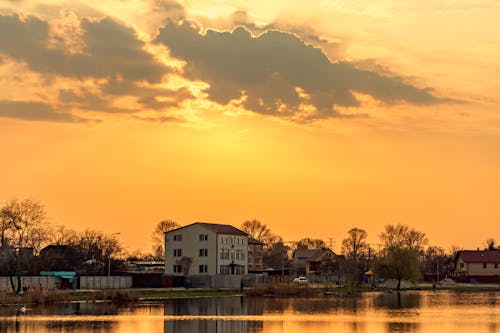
(313, 117)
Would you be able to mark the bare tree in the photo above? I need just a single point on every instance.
(63, 236)
(257, 230)
(24, 230)
(311, 243)
(354, 248)
(402, 236)
(158, 236)
(355, 244)
(97, 247)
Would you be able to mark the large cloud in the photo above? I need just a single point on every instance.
(278, 73)
(103, 52)
(110, 50)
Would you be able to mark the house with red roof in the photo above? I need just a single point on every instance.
(477, 265)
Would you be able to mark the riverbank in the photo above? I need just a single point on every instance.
(45, 296)
(121, 296)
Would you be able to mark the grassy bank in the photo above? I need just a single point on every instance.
(123, 296)
(118, 296)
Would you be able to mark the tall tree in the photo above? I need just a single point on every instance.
(398, 263)
(402, 236)
(24, 232)
(158, 236)
(259, 231)
(354, 248)
(355, 244)
(97, 246)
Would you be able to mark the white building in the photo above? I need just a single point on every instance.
(206, 248)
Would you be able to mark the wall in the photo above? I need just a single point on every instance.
(191, 246)
(477, 269)
(45, 282)
(105, 282)
(215, 281)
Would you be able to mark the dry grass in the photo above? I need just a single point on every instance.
(32, 296)
(115, 296)
(284, 289)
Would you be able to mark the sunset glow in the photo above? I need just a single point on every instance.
(312, 117)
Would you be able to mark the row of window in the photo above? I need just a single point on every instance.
(201, 237)
(226, 270)
(257, 260)
(232, 240)
(201, 268)
(202, 253)
(485, 265)
(226, 254)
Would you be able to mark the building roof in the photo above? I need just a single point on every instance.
(225, 229)
(254, 241)
(479, 256)
(310, 255)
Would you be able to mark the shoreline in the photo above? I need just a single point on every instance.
(131, 295)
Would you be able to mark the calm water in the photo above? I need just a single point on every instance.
(438, 311)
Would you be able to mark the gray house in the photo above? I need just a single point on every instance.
(206, 248)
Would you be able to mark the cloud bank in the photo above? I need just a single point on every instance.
(278, 73)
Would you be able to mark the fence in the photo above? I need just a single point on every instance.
(39, 282)
(105, 282)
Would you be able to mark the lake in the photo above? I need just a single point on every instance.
(409, 311)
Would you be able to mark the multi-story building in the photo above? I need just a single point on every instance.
(206, 248)
(255, 256)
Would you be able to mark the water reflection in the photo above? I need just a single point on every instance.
(406, 312)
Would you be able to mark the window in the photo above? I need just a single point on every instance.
(224, 270)
(177, 238)
(203, 269)
(177, 269)
(203, 237)
(485, 265)
(177, 252)
(496, 265)
(462, 265)
(203, 252)
(249, 259)
(224, 254)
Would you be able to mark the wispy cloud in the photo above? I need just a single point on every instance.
(35, 111)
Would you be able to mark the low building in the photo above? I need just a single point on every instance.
(206, 249)
(312, 261)
(477, 265)
(255, 256)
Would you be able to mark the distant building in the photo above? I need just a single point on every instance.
(59, 258)
(477, 265)
(307, 261)
(206, 249)
(255, 256)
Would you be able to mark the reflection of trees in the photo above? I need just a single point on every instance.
(396, 301)
(402, 327)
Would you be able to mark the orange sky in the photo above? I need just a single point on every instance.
(115, 118)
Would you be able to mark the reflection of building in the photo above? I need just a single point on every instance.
(206, 249)
(255, 256)
(312, 261)
(214, 315)
(478, 265)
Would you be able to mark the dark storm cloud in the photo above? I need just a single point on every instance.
(36, 111)
(268, 68)
(110, 50)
